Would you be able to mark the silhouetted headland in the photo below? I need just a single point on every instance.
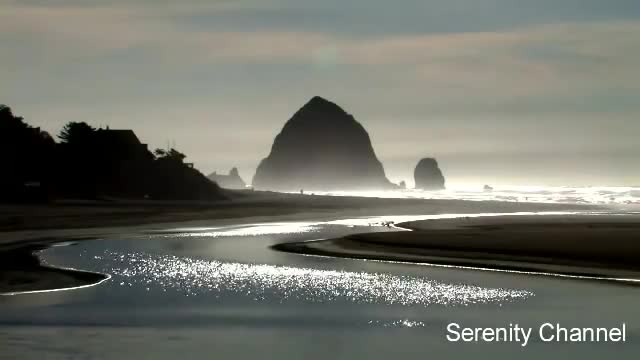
(90, 163)
(321, 147)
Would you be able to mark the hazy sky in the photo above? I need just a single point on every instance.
(501, 91)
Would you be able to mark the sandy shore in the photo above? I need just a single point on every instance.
(24, 229)
(19, 223)
(21, 271)
(598, 246)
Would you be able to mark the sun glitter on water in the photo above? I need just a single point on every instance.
(261, 282)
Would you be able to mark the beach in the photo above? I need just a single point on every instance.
(29, 228)
(205, 285)
(603, 246)
(90, 218)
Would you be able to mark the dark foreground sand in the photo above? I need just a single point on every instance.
(600, 246)
(245, 204)
(21, 271)
(25, 229)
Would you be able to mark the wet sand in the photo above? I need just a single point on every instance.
(89, 218)
(91, 214)
(593, 246)
(22, 271)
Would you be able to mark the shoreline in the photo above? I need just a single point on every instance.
(91, 214)
(21, 272)
(595, 247)
(23, 224)
(44, 226)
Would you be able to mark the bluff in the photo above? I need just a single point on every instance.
(428, 175)
(231, 181)
(321, 147)
(90, 163)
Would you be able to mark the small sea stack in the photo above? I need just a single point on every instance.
(230, 181)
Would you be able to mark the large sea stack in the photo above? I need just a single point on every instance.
(428, 175)
(321, 148)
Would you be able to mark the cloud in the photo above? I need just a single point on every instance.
(506, 70)
(556, 86)
(69, 28)
(523, 59)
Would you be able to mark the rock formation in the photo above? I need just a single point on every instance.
(231, 181)
(321, 148)
(428, 175)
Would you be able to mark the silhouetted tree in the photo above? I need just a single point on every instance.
(175, 180)
(26, 155)
(91, 163)
(169, 155)
(160, 153)
(78, 161)
(8, 121)
(76, 133)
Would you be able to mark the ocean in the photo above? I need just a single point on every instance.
(596, 195)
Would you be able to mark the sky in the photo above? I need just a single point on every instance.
(519, 92)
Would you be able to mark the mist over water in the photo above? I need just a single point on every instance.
(605, 195)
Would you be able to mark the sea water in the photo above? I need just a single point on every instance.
(596, 195)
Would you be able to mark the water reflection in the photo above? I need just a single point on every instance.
(246, 230)
(281, 228)
(404, 323)
(259, 282)
(391, 219)
(532, 194)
